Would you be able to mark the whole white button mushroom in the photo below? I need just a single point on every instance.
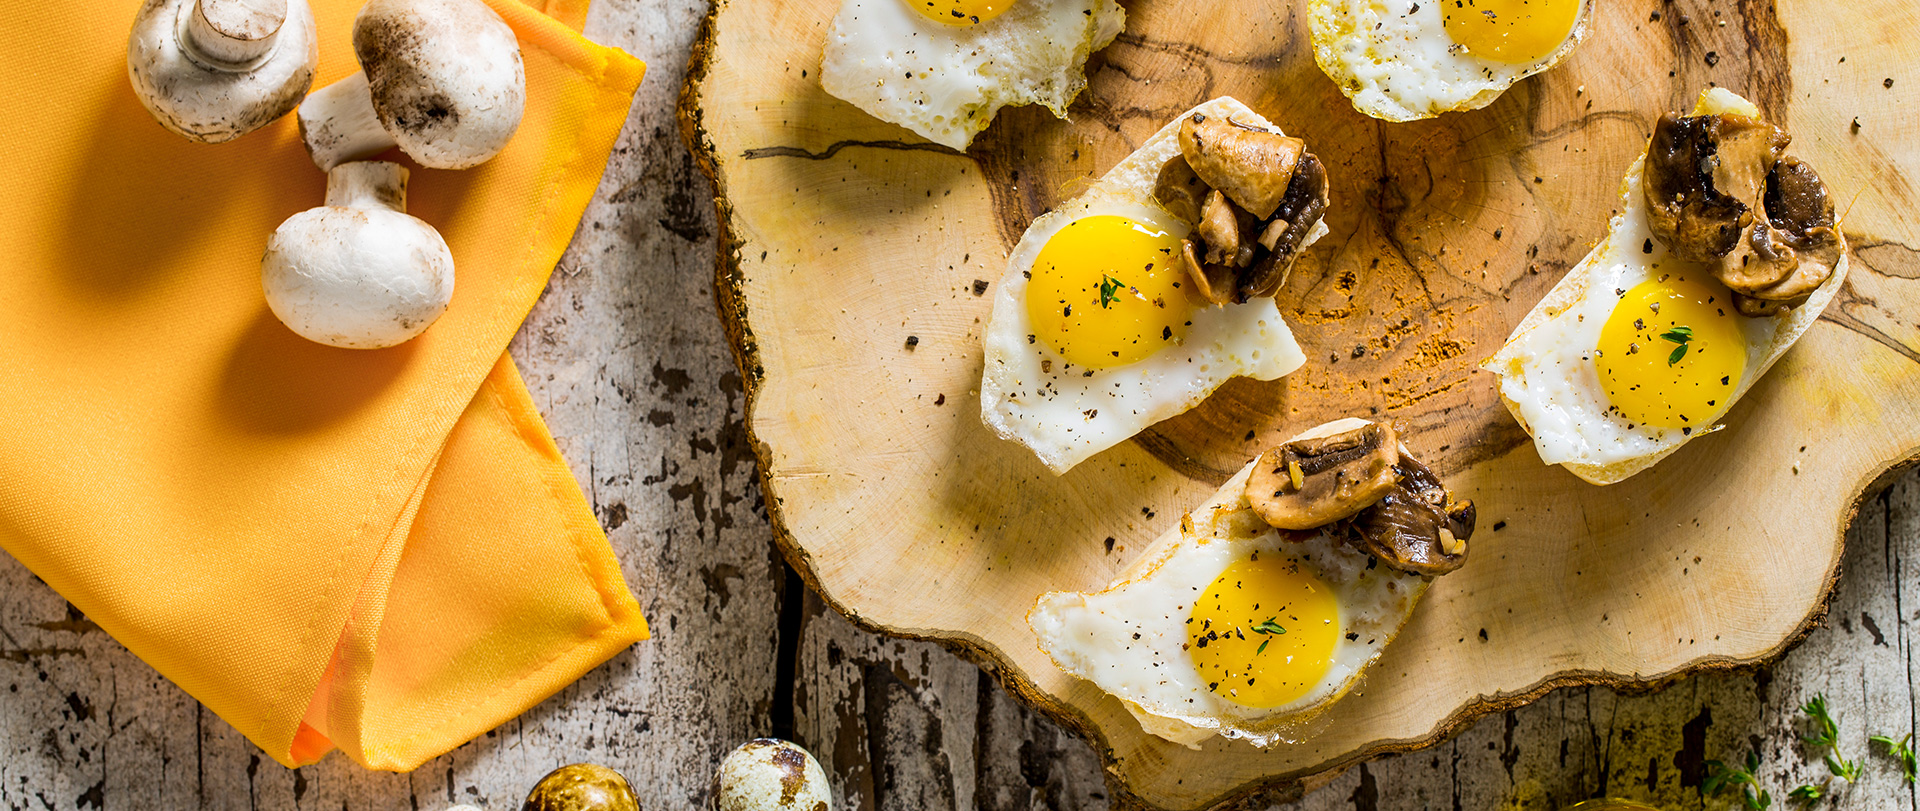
(359, 272)
(442, 79)
(214, 70)
(769, 774)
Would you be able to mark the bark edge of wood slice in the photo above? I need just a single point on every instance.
(850, 260)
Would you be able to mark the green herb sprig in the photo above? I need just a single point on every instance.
(1806, 795)
(1681, 336)
(1826, 732)
(1109, 290)
(1721, 778)
(1267, 628)
(1901, 751)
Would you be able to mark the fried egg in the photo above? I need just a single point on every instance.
(1412, 59)
(943, 68)
(1096, 332)
(1228, 627)
(1635, 351)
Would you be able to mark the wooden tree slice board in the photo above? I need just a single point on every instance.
(848, 275)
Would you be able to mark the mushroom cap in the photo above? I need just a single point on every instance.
(1415, 525)
(1319, 478)
(769, 774)
(1252, 165)
(1219, 228)
(445, 77)
(1212, 284)
(1703, 175)
(1290, 229)
(1178, 190)
(207, 101)
(582, 787)
(357, 278)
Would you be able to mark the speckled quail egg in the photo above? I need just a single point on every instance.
(582, 787)
(769, 774)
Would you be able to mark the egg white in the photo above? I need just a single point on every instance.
(1029, 395)
(1093, 635)
(1396, 62)
(1548, 377)
(946, 82)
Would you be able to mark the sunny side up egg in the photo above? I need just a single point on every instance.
(1226, 627)
(943, 68)
(1097, 334)
(1636, 351)
(1413, 59)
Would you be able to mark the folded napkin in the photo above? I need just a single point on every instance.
(380, 551)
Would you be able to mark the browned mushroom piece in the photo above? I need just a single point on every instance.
(1212, 284)
(1219, 228)
(1180, 191)
(1800, 220)
(1417, 527)
(1791, 248)
(1253, 165)
(1308, 483)
(1797, 203)
(1299, 211)
(1700, 172)
(1264, 277)
(1761, 308)
(1761, 259)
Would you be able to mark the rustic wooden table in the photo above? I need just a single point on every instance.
(631, 369)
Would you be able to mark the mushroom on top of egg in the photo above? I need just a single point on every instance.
(1230, 625)
(1724, 251)
(1132, 302)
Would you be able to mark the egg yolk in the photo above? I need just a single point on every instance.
(1106, 291)
(1263, 634)
(1672, 353)
(961, 12)
(1510, 31)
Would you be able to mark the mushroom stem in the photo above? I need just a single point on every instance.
(368, 185)
(338, 123)
(233, 35)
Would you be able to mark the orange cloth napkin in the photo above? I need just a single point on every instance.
(380, 551)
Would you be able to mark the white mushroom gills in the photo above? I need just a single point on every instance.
(442, 79)
(359, 272)
(213, 70)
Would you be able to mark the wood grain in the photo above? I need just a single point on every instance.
(850, 255)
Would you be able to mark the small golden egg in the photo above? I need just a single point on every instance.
(582, 787)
